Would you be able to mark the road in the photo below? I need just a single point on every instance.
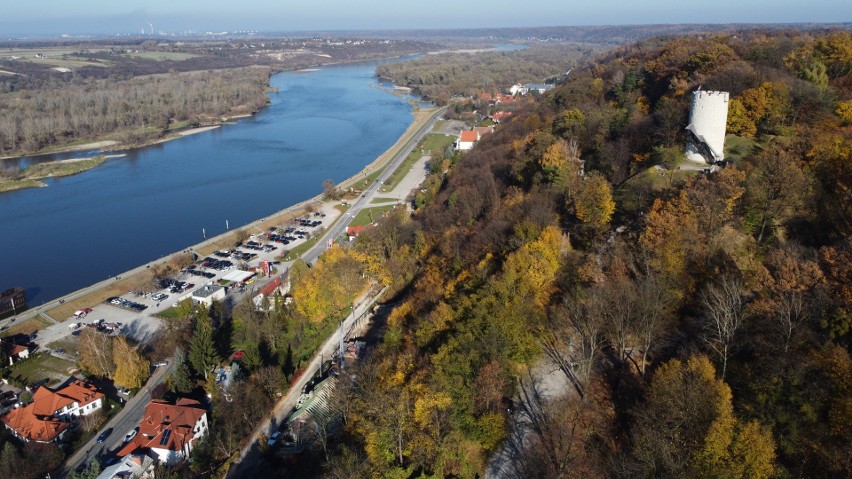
(126, 419)
(364, 201)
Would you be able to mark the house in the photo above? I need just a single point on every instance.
(353, 231)
(539, 87)
(466, 140)
(500, 116)
(137, 466)
(169, 431)
(207, 294)
(279, 285)
(518, 89)
(47, 417)
(15, 352)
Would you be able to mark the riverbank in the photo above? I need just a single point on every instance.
(31, 176)
(95, 294)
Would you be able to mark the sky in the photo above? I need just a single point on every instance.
(53, 17)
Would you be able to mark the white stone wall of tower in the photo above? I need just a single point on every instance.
(708, 115)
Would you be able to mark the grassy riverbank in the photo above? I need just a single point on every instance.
(30, 177)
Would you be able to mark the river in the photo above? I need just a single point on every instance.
(89, 227)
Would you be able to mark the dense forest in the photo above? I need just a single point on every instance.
(135, 91)
(439, 77)
(701, 323)
(130, 111)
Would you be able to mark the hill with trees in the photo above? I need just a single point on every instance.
(700, 321)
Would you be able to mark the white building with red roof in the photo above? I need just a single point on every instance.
(467, 139)
(169, 431)
(48, 416)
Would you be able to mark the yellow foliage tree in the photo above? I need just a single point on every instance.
(330, 287)
(671, 231)
(593, 203)
(131, 369)
(530, 271)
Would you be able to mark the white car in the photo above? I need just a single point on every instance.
(131, 434)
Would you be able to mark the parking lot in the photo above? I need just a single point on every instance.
(133, 314)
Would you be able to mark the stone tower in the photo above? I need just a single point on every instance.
(705, 134)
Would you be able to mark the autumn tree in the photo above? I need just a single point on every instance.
(95, 353)
(670, 237)
(687, 428)
(776, 190)
(131, 369)
(593, 203)
(202, 351)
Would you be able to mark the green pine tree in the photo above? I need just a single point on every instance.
(181, 380)
(202, 351)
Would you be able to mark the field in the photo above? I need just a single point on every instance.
(42, 366)
(161, 56)
(369, 215)
(27, 327)
(737, 147)
(432, 142)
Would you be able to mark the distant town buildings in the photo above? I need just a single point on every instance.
(47, 417)
(169, 431)
(705, 134)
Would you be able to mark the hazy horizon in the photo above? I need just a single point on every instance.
(56, 17)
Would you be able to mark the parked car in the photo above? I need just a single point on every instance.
(274, 438)
(104, 435)
(160, 363)
(131, 434)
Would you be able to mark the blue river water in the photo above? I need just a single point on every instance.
(128, 211)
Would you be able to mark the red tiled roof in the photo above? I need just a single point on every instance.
(160, 416)
(31, 427)
(17, 349)
(500, 115)
(270, 287)
(355, 230)
(469, 136)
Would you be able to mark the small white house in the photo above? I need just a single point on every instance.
(207, 294)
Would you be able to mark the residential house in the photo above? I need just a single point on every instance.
(500, 116)
(279, 285)
(518, 89)
(136, 466)
(539, 87)
(15, 352)
(466, 140)
(353, 231)
(169, 431)
(47, 417)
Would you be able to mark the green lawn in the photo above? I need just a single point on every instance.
(28, 326)
(432, 142)
(737, 147)
(383, 200)
(369, 215)
(160, 56)
(42, 366)
(299, 250)
(182, 310)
